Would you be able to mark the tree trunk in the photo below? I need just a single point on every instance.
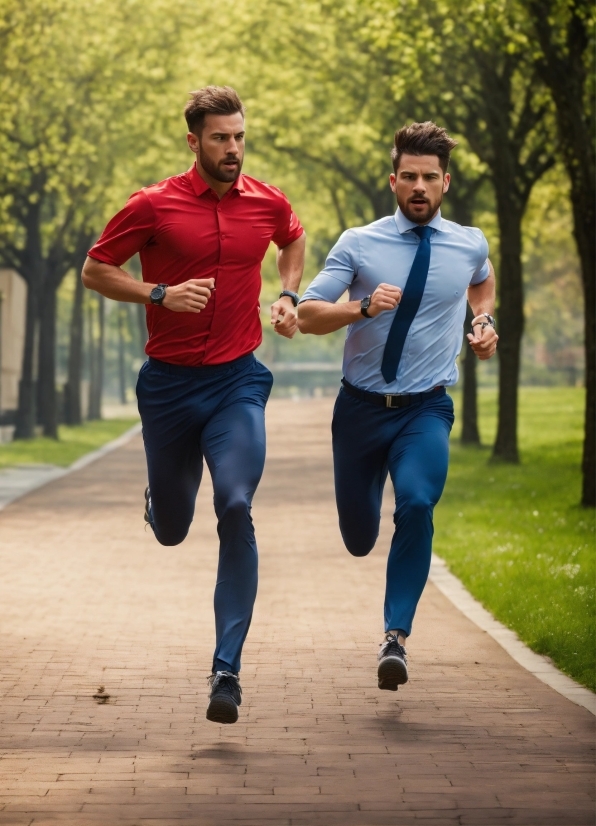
(72, 390)
(564, 71)
(25, 419)
(32, 271)
(511, 322)
(585, 243)
(121, 309)
(512, 182)
(91, 360)
(47, 402)
(584, 220)
(96, 358)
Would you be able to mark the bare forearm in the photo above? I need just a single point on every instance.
(114, 282)
(290, 264)
(321, 317)
(482, 296)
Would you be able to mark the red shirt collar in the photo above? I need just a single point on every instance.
(201, 186)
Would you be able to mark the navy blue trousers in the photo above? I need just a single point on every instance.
(412, 445)
(215, 412)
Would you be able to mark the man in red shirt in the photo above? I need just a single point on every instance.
(202, 237)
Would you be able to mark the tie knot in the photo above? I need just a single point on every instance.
(423, 233)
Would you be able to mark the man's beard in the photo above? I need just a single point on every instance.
(418, 217)
(217, 171)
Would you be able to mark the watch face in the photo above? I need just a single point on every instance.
(157, 294)
(365, 303)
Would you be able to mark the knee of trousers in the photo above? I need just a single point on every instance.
(233, 509)
(358, 540)
(172, 534)
(413, 507)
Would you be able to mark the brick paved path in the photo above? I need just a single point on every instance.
(90, 599)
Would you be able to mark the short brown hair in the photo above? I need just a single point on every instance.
(422, 139)
(212, 100)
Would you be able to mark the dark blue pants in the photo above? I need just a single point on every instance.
(216, 412)
(412, 445)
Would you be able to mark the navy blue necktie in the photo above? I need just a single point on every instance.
(408, 306)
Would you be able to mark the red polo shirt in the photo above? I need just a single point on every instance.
(182, 230)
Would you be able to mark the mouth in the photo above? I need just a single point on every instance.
(230, 164)
(419, 202)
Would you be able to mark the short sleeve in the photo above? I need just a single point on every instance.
(289, 228)
(482, 270)
(341, 267)
(127, 232)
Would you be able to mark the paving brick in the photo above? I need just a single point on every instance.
(90, 599)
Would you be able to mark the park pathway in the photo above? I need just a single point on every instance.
(89, 599)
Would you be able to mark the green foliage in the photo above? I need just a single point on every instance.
(76, 82)
(515, 535)
(73, 443)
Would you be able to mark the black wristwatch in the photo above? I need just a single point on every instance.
(364, 305)
(158, 294)
(294, 296)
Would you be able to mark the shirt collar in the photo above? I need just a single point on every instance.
(405, 225)
(201, 186)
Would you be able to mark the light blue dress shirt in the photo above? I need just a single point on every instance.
(383, 252)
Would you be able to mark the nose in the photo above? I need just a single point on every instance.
(420, 185)
(232, 147)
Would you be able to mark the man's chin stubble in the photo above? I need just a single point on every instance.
(419, 219)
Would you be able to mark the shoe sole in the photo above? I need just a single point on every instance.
(392, 673)
(222, 710)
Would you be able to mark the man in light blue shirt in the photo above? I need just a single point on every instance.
(408, 277)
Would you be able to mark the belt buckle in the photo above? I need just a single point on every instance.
(389, 401)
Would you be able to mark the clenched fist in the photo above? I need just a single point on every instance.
(190, 297)
(483, 339)
(385, 297)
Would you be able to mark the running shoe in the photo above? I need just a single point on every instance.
(392, 670)
(225, 697)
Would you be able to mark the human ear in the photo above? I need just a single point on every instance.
(193, 142)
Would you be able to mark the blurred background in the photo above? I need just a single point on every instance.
(91, 110)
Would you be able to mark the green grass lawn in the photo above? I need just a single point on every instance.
(515, 534)
(73, 443)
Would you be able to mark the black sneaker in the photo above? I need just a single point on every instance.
(147, 516)
(392, 664)
(225, 697)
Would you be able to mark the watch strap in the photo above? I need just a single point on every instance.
(294, 296)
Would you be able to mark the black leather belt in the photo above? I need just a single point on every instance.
(397, 400)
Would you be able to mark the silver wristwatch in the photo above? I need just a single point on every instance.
(490, 321)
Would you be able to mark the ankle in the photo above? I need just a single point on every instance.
(401, 635)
